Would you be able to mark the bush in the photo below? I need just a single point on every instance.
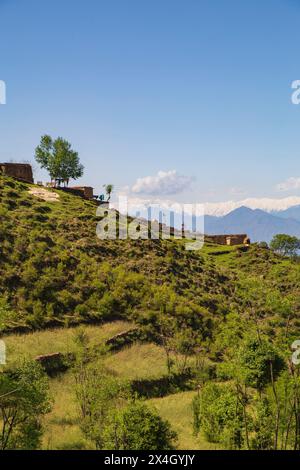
(23, 401)
(258, 361)
(218, 413)
(137, 427)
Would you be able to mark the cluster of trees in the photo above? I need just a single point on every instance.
(24, 400)
(110, 415)
(180, 326)
(285, 245)
(254, 402)
(253, 399)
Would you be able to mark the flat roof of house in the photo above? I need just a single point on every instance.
(15, 164)
(81, 187)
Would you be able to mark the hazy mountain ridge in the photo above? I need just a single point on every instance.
(259, 225)
(290, 213)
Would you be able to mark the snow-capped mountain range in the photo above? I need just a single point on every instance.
(266, 204)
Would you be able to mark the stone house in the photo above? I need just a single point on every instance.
(230, 240)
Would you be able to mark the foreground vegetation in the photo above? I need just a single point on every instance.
(211, 365)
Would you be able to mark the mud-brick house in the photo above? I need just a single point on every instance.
(86, 191)
(20, 171)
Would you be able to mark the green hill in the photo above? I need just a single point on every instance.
(194, 309)
(54, 270)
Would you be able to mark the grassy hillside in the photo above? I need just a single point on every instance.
(56, 275)
(62, 430)
(55, 271)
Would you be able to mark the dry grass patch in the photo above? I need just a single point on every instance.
(138, 361)
(177, 409)
(58, 339)
(61, 425)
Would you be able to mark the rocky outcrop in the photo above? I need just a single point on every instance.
(128, 337)
(55, 362)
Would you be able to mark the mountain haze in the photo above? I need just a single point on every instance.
(259, 225)
(290, 213)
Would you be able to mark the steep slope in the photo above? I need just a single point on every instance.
(55, 271)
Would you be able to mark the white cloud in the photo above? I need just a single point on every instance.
(164, 183)
(289, 184)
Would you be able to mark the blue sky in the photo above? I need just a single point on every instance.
(202, 87)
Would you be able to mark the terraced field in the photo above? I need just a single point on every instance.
(137, 361)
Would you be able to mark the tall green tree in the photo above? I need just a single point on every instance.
(285, 245)
(219, 414)
(259, 362)
(58, 158)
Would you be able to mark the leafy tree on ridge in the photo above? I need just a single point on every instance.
(58, 158)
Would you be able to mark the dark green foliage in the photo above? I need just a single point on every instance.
(23, 401)
(263, 245)
(219, 415)
(137, 427)
(258, 361)
(58, 158)
(285, 245)
(263, 426)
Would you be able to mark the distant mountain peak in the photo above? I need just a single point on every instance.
(242, 209)
(256, 223)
